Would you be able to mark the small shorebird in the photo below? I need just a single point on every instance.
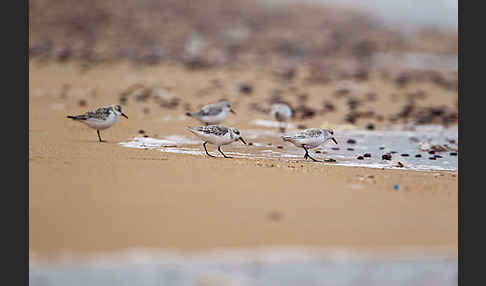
(101, 118)
(218, 135)
(310, 138)
(212, 113)
(282, 113)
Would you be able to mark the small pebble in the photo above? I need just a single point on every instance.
(350, 149)
(386, 157)
(351, 141)
(396, 187)
(393, 152)
(381, 148)
(335, 148)
(82, 102)
(145, 136)
(301, 126)
(360, 158)
(250, 143)
(438, 156)
(370, 126)
(432, 158)
(141, 131)
(405, 155)
(367, 155)
(418, 156)
(246, 88)
(432, 152)
(146, 110)
(275, 215)
(281, 147)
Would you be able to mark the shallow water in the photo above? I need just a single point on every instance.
(266, 143)
(269, 267)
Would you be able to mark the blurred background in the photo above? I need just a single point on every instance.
(219, 32)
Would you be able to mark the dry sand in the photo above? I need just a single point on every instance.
(91, 197)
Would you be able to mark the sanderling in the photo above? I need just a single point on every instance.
(310, 138)
(212, 113)
(217, 135)
(282, 113)
(101, 118)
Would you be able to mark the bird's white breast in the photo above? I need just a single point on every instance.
(101, 124)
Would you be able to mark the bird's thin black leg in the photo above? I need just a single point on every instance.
(99, 137)
(308, 156)
(204, 145)
(219, 149)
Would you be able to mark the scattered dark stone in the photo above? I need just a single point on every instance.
(406, 111)
(82, 102)
(367, 155)
(402, 80)
(432, 158)
(329, 106)
(146, 110)
(281, 147)
(393, 152)
(418, 156)
(453, 153)
(123, 99)
(246, 88)
(360, 158)
(275, 215)
(370, 126)
(381, 148)
(141, 131)
(250, 143)
(350, 149)
(437, 156)
(414, 139)
(341, 92)
(432, 152)
(335, 148)
(351, 117)
(305, 112)
(303, 98)
(386, 157)
(301, 126)
(353, 103)
(361, 74)
(405, 155)
(351, 141)
(145, 136)
(269, 144)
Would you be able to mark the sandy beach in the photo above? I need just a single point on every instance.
(90, 197)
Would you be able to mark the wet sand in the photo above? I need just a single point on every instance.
(89, 197)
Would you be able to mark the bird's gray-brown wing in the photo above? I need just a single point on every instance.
(100, 113)
(217, 130)
(313, 132)
(210, 110)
